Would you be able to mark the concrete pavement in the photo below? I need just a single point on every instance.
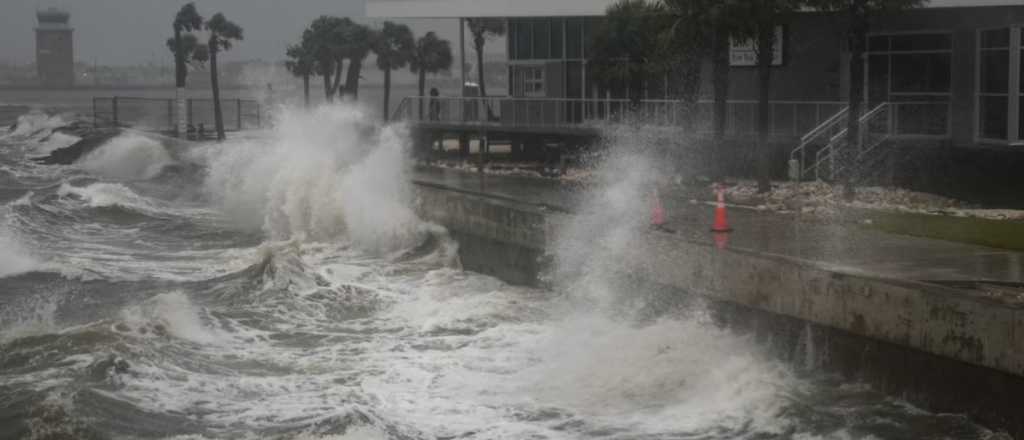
(836, 246)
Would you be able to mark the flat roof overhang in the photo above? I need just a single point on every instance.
(552, 8)
(484, 8)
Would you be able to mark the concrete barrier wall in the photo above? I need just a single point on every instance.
(944, 348)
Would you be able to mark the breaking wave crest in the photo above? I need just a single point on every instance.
(130, 156)
(324, 174)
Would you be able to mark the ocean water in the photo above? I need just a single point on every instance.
(280, 285)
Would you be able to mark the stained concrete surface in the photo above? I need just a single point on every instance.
(837, 246)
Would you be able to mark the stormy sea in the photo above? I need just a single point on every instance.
(280, 285)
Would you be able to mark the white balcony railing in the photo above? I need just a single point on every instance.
(788, 118)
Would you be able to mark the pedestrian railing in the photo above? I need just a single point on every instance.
(160, 114)
(788, 118)
(819, 154)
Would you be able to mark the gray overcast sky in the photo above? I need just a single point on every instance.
(133, 31)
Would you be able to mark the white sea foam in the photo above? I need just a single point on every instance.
(36, 124)
(14, 258)
(174, 313)
(55, 142)
(98, 195)
(130, 156)
(325, 173)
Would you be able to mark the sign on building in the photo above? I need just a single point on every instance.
(744, 53)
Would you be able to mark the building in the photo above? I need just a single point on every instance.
(55, 51)
(945, 84)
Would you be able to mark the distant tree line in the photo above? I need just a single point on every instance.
(333, 47)
(645, 38)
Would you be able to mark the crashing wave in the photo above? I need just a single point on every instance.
(129, 156)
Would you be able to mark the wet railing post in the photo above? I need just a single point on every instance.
(238, 113)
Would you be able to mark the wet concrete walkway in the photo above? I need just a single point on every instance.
(840, 247)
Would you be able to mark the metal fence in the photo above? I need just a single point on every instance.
(158, 114)
(788, 118)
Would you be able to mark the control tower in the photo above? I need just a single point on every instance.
(55, 50)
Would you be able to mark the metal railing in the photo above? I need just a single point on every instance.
(160, 114)
(788, 118)
(876, 127)
(890, 120)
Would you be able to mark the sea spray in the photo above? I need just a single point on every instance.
(130, 156)
(14, 257)
(324, 174)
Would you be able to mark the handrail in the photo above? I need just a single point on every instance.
(837, 141)
(824, 125)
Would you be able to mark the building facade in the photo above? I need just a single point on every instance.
(55, 52)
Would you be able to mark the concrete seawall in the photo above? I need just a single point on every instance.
(946, 349)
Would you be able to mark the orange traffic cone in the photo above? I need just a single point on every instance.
(657, 211)
(721, 222)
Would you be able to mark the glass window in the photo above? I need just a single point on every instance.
(993, 118)
(541, 39)
(995, 71)
(557, 29)
(524, 48)
(999, 38)
(916, 42)
(573, 41)
(532, 80)
(921, 73)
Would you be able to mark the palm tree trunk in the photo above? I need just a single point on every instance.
(181, 126)
(387, 92)
(721, 85)
(218, 118)
(337, 77)
(305, 89)
(423, 88)
(328, 96)
(766, 35)
(355, 67)
(857, 37)
(478, 44)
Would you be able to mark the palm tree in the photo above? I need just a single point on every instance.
(302, 65)
(430, 55)
(482, 29)
(321, 38)
(186, 20)
(627, 48)
(357, 42)
(222, 33)
(394, 48)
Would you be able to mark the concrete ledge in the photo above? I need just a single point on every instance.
(880, 329)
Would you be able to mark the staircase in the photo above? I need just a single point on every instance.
(820, 153)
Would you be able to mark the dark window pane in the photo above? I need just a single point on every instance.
(573, 44)
(541, 39)
(556, 38)
(1022, 69)
(921, 42)
(996, 38)
(1020, 119)
(878, 78)
(591, 27)
(922, 73)
(878, 43)
(995, 71)
(992, 117)
(524, 50)
(511, 41)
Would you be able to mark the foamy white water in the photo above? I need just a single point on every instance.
(281, 286)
